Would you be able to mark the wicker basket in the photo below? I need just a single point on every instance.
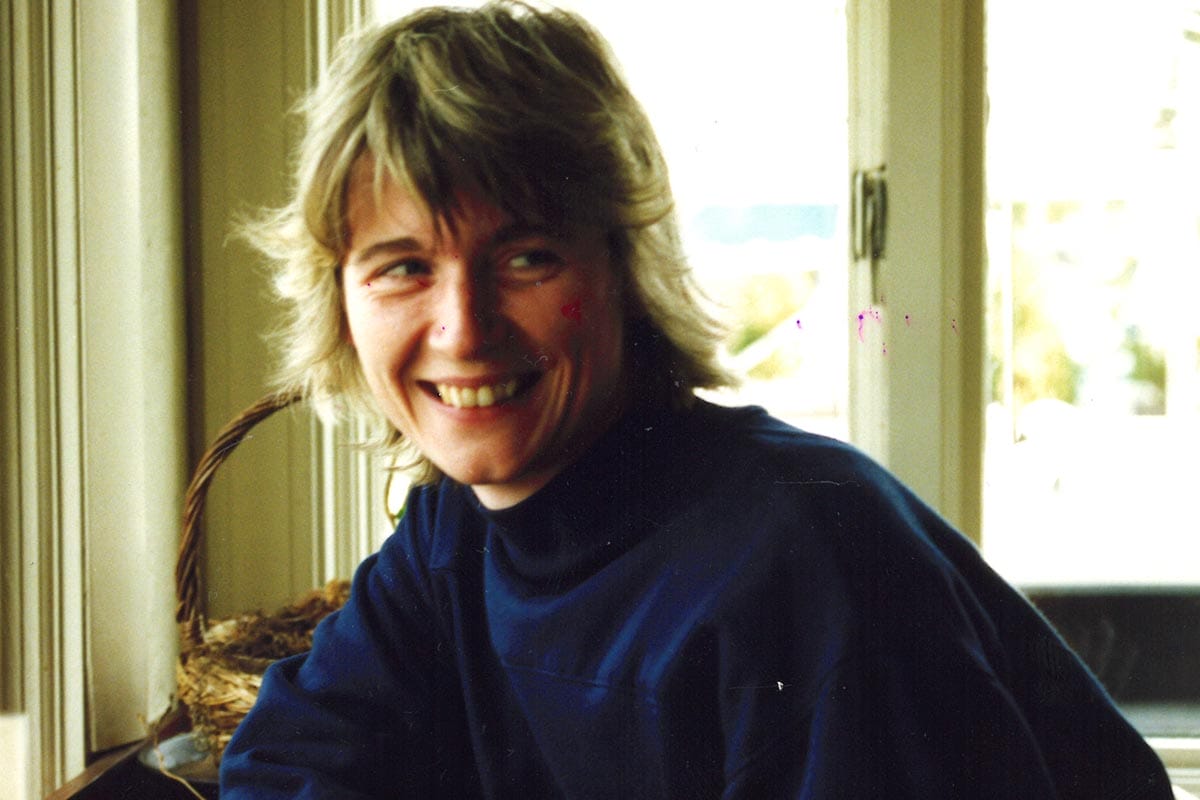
(221, 663)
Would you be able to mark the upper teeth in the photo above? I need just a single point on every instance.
(476, 396)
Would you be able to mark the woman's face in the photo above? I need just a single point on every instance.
(494, 347)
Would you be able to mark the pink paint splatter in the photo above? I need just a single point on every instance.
(863, 316)
(573, 310)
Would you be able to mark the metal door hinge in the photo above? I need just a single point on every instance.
(868, 213)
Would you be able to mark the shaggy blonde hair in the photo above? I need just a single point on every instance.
(527, 106)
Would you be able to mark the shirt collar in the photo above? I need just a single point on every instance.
(590, 512)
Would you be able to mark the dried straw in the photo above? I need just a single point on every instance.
(219, 677)
(221, 665)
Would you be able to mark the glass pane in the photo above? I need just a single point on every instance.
(752, 118)
(1094, 246)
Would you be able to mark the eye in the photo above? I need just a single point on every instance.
(534, 258)
(531, 265)
(407, 268)
(401, 276)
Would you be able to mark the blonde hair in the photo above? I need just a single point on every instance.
(527, 106)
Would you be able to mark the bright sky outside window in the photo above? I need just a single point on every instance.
(1094, 247)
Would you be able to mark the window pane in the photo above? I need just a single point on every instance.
(750, 109)
(1094, 247)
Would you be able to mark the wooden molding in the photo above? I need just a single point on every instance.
(43, 609)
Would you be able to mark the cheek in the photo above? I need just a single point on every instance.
(373, 341)
(600, 341)
(590, 306)
(367, 315)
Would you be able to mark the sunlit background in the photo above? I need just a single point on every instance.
(1094, 332)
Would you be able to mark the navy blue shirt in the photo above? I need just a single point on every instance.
(708, 604)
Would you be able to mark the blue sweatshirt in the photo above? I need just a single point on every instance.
(708, 604)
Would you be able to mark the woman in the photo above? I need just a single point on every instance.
(603, 586)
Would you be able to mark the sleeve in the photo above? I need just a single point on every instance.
(886, 726)
(915, 725)
(355, 716)
(946, 684)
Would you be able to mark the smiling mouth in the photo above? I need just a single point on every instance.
(482, 396)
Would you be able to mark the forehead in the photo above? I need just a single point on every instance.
(378, 204)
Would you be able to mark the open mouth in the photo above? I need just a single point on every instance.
(484, 395)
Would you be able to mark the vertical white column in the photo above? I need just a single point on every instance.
(917, 98)
(132, 357)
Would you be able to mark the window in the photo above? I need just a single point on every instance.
(1093, 233)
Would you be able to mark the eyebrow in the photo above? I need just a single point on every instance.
(402, 244)
(511, 232)
(521, 230)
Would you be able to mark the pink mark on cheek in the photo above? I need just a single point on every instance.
(573, 310)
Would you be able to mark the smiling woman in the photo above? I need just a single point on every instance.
(604, 586)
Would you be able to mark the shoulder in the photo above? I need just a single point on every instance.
(759, 455)
(823, 510)
(749, 432)
(436, 519)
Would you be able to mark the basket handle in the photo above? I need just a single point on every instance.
(188, 611)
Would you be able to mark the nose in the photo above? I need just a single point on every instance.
(466, 321)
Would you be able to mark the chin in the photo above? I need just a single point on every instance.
(476, 474)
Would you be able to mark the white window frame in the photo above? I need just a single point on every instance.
(92, 363)
(916, 108)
